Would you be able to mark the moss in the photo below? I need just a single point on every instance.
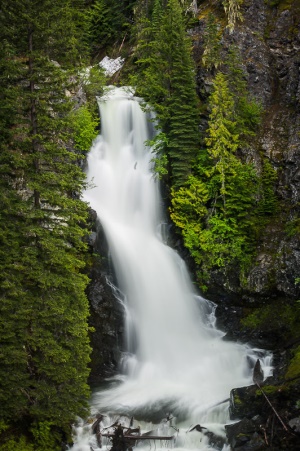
(237, 400)
(277, 315)
(293, 370)
(271, 390)
(282, 5)
(293, 227)
(285, 4)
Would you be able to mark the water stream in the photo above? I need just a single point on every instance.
(177, 362)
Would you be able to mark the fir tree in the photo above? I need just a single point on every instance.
(108, 22)
(167, 83)
(222, 140)
(219, 225)
(44, 310)
(247, 110)
(212, 43)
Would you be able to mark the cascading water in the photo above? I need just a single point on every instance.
(176, 360)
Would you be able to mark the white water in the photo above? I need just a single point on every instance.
(177, 361)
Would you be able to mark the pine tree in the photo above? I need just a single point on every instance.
(44, 335)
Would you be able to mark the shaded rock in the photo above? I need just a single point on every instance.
(258, 374)
(215, 440)
(106, 311)
(245, 403)
(243, 436)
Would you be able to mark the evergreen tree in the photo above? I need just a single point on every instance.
(222, 140)
(108, 22)
(212, 43)
(44, 332)
(247, 110)
(219, 227)
(167, 82)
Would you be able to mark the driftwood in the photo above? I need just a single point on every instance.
(197, 428)
(96, 430)
(124, 438)
(142, 437)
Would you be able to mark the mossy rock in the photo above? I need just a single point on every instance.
(244, 403)
(278, 320)
(293, 371)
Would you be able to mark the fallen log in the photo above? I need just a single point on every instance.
(142, 437)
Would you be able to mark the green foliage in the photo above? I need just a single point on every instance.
(268, 202)
(107, 22)
(20, 444)
(84, 128)
(220, 227)
(93, 80)
(292, 228)
(293, 370)
(247, 111)
(222, 140)
(276, 316)
(158, 145)
(212, 43)
(281, 4)
(44, 349)
(165, 79)
(188, 205)
(45, 437)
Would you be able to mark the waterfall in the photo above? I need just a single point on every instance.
(176, 361)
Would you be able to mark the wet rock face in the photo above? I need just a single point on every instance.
(106, 312)
(243, 435)
(106, 319)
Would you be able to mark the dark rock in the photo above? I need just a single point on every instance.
(215, 441)
(245, 403)
(258, 374)
(106, 317)
(243, 436)
(106, 310)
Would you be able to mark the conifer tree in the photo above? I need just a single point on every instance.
(219, 228)
(247, 110)
(222, 138)
(212, 43)
(167, 83)
(43, 311)
(108, 22)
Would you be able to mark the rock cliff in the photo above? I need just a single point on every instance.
(269, 42)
